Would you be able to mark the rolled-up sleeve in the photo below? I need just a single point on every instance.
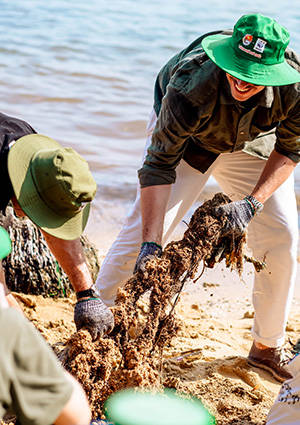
(288, 135)
(176, 122)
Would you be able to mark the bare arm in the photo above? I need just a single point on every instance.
(277, 169)
(71, 257)
(76, 411)
(154, 200)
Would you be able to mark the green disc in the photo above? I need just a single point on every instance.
(137, 407)
(5, 243)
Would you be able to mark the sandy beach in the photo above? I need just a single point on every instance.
(84, 76)
(207, 358)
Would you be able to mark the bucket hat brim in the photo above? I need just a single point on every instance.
(220, 51)
(19, 158)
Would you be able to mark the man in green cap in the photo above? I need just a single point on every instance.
(54, 187)
(228, 106)
(33, 384)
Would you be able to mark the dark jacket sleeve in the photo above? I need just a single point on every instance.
(288, 135)
(10, 129)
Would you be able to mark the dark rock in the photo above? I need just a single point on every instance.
(31, 268)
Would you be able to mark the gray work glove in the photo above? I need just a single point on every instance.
(93, 315)
(149, 250)
(238, 214)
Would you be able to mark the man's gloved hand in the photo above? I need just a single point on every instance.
(239, 214)
(93, 315)
(149, 250)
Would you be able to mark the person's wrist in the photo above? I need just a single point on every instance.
(152, 243)
(87, 294)
(256, 206)
(81, 300)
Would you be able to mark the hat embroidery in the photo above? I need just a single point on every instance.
(257, 55)
(247, 39)
(260, 45)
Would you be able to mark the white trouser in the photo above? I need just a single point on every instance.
(286, 408)
(273, 232)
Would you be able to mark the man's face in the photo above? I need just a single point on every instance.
(240, 90)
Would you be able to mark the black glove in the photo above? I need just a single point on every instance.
(238, 214)
(149, 250)
(93, 315)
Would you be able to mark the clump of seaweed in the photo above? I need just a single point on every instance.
(31, 267)
(131, 355)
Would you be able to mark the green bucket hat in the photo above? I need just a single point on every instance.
(53, 185)
(254, 53)
(5, 243)
(130, 407)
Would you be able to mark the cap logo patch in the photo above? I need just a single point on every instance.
(257, 55)
(260, 45)
(247, 39)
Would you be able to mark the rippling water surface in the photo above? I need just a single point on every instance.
(83, 72)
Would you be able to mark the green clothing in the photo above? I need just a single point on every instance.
(198, 118)
(32, 383)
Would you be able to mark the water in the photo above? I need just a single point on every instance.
(83, 73)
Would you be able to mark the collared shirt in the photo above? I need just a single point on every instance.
(198, 118)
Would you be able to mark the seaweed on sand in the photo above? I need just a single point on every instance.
(131, 355)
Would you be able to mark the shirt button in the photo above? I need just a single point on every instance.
(242, 132)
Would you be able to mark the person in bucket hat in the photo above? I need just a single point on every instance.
(226, 106)
(254, 53)
(34, 386)
(53, 186)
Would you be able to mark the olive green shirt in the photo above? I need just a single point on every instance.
(33, 385)
(198, 118)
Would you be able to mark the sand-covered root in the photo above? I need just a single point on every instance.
(98, 366)
(166, 275)
(131, 354)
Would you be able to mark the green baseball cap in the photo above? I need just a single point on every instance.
(5, 243)
(53, 185)
(255, 52)
(137, 407)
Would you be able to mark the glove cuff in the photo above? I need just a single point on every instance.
(255, 205)
(91, 293)
(152, 243)
(87, 299)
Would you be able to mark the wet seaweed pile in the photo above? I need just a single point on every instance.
(131, 355)
(31, 268)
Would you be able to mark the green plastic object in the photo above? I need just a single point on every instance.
(137, 407)
(5, 243)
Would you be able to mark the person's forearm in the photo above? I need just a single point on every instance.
(77, 410)
(276, 171)
(154, 201)
(71, 257)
